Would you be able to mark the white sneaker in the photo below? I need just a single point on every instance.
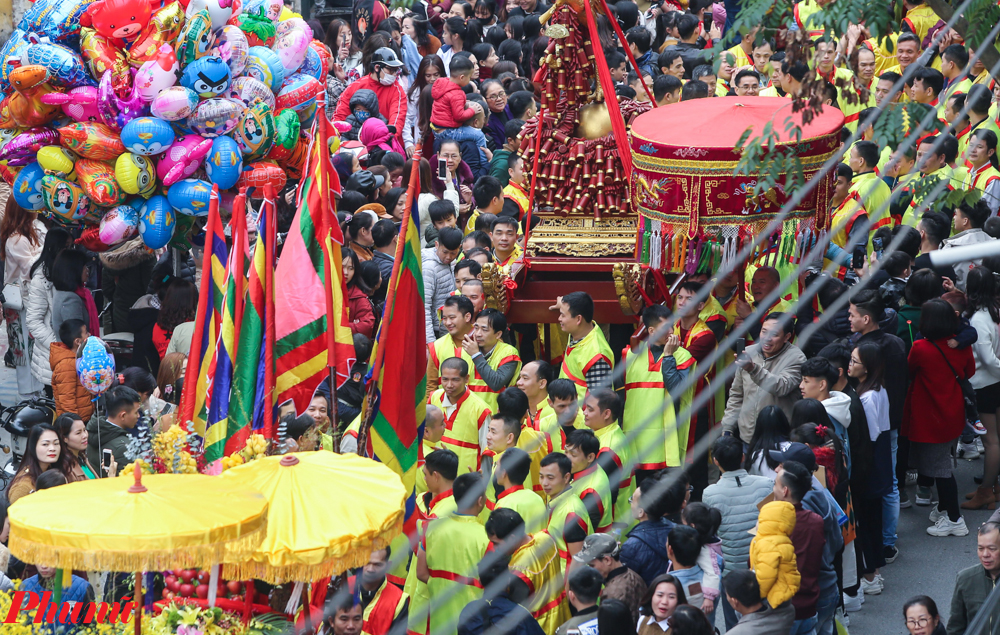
(979, 445)
(843, 618)
(945, 527)
(968, 451)
(871, 588)
(853, 604)
(936, 514)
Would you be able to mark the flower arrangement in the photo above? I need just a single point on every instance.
(256, 447)
(172, 451)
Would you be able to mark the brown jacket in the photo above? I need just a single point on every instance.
(69, 393)
(627, 586)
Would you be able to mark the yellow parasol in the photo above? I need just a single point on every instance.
(164, 522)
(328, 512)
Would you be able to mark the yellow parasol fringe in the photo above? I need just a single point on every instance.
(358, 555)
(154, 560)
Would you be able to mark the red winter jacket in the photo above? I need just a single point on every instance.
(449, 109)
(360, 312)
(935, 409)
(391, 102)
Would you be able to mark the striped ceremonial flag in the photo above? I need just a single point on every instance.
(217, 430)
(208, 319)
(248, 406)
(309, 288)
(399, 394)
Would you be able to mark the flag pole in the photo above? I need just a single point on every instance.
(412, 192)
(328, 210)
(194, 361)
(269, 246)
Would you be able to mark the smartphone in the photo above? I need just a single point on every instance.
(877, 247)
(858, 258)
(106, 459)
(740, 346)
(442, 169)
(708, 20)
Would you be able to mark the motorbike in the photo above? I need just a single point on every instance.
(18, 421)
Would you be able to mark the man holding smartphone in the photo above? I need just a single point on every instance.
(108, 437)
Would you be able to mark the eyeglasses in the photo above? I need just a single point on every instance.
(920, 622)
(498, 97)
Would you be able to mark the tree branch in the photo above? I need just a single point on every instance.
(988, 54)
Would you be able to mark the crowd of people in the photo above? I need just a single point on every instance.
(636, 491)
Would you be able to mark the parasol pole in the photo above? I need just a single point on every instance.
(138, 603)
(57, 591)
(248, 596)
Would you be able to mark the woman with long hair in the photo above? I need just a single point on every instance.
(71, 299)
(984, 315)
(43, 453)
(657, 606)
(485, 12)
(169, 382)
(486, 59)
(22, 236)
(430, 70)
(73, 438)
(179, 306)
(934, 414)
(345, 65)
(359, 309)
(509, 51)
(38, 307)
(426, 196)
(419, 30)
(770, 432)
(395, 202)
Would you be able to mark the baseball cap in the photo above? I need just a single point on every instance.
(386, 56)
(799, 452)
(365, 182)
(597, 546)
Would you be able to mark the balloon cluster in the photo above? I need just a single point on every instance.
(122, 114)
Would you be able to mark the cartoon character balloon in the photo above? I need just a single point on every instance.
(27, 187)
(25, 108)
(315, 64)
(174, 103)
(96, 366)
(91, 140)
(65, 199)
(98, 181)
(79, 103)
(156, 222)
(196, 39)
(250, 91)
(220, 10)
(58, 161)
(122, 19)
(216, 116)
(257, 27)
(147, 136)
(182, 159)
(232, 46)
(260, 174)
(271, 8)
(115, 111)
(65, 66)
(208, 76)
(158, 73)
(286, 129)
(298, 93)
(164, 26)
(136, 174)
(119, 224)
(190, 197)
(11, 50)
(265, 65)
(255, 132)
(224, 162)
(58, 19)
(102, 54)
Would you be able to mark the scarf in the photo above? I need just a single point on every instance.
(826, 456)
(94, 321)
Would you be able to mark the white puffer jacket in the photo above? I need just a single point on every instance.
(38, 317)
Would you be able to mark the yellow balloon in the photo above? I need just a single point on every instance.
(58, 161)
(135, 174)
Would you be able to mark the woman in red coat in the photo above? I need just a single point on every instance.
(934, 415)
(359, 308)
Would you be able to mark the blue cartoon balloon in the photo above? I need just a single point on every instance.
(224, 162)
(190, 197)
(208, 76)
(312, 65)
(156, 222)
(58, 19)
(147, 136)
(215, 117)
(96, 366)
(11, 50)
(265, 65)
(65, 66)
(118, 224)
(27, 188)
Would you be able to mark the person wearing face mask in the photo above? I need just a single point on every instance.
(382, 79)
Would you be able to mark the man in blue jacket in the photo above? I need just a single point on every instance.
(656, 506)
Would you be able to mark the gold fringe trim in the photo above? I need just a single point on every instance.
(359, 554)
(196, 556)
